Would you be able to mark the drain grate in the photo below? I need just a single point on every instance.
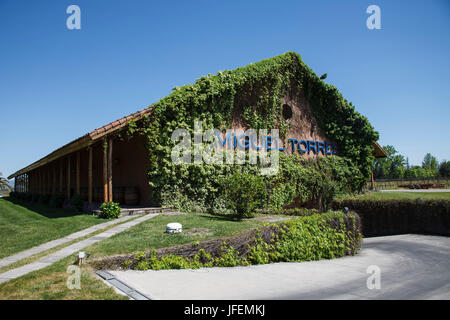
(122, 286)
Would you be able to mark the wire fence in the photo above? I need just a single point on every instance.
(411, 183)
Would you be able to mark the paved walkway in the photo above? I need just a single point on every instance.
(54, 243)
(412, 267)
(73, 248)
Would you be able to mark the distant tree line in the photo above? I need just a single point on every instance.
(4, 184)
(396, 166)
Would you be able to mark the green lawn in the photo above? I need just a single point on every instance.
(151, 233)
(381, 195)
(50, 282)
(25, 224)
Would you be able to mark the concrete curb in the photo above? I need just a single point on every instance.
(121, 286)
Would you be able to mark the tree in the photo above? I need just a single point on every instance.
(444, 169)
(430, 162)
(390, 167)
(4, 184)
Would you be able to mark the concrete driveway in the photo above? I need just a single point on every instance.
(411, 267)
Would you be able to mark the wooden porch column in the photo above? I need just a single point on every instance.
(372, 182)
(78, 172)
(110, 151)
(49, 183)
(68, 177)
(90, 176)
(54, 180)
(105, 171)
(60, 175)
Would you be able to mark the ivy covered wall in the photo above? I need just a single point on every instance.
(254, 94)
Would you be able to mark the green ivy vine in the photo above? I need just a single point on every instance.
(254, 94)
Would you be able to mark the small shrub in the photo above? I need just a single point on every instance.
(77, 202)
(110, 210)
(229, 258)
(261, 252)
(57, 200)
(44, 198)
(245, 193)
(202, 259)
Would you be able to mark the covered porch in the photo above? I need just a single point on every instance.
(100, 166)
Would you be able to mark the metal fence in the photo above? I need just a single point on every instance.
(383, 184)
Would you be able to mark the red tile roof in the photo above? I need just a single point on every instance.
(84, 141)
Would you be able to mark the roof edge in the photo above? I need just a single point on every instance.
(84, 141)
(378, 151)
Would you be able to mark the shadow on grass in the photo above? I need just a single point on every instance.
(44, 210)
(222, 217)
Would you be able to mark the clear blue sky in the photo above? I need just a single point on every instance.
(57, 84)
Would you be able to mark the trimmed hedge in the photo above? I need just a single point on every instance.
(390, 217)
(301, 212)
